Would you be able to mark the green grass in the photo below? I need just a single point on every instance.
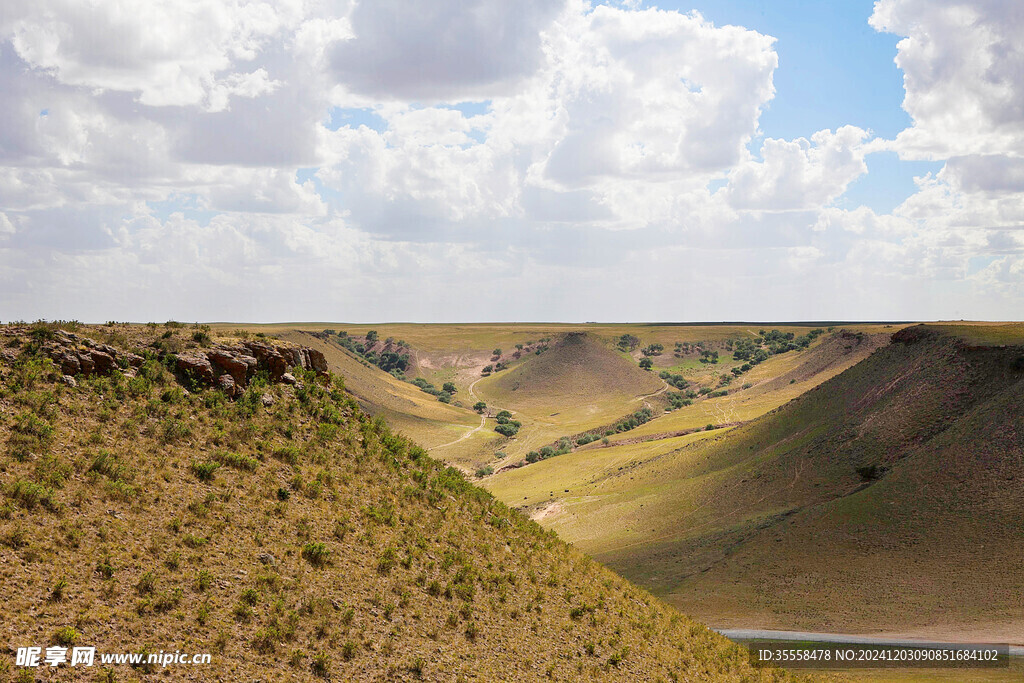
(375, 559)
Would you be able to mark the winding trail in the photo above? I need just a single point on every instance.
(483, 420)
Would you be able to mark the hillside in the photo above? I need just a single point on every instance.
(578, 369)
(887, 498)
(406, 409)
(283, 530)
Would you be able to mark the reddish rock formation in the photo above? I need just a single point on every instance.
(197, 366)
(229, 367)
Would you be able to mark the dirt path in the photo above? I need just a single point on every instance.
(483, 419)
(656, 393)
(471, 432)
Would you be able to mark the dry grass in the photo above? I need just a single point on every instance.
(322, 546)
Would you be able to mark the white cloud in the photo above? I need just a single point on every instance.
(799, 175)
(523, 148)
(962, 63)
(443, 49)
(177, 53)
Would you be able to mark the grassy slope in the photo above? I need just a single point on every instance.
(776, 381)
(424, 575)
(598, 510)
(578, 384)
(770, 523)
(446, 430)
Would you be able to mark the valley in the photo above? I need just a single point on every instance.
(862, 483)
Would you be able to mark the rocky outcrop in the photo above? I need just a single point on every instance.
(228, 367)
(196, 366)
(232, 367)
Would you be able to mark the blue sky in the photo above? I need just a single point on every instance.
(472, 160)
(834, 70)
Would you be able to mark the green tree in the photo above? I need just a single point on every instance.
(646, 363)
(371, 336)
(479, 406)
(449, 387)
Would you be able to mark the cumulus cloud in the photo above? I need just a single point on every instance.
(612, 152)
(170, 53)
(799, 174)
(962, 62)
(443, 49)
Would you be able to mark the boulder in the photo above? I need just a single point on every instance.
(134, 360)
(70, 381)
(268, 358)
(267, 400)
(239, 366)
(196, 365)
(227, 384)
(87, 364)
(288, 378)
(103, 362)
(66, 360)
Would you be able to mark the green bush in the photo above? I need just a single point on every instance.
(316, 554)
(204, 471)
(237, 461)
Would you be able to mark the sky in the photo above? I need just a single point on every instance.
(480, 160)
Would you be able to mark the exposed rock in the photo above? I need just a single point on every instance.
(70, 381)
(134, 360)
(267, 559)
(103, 362)
(225, 366)
(66, 360)
(236, 364)
(227, 384)
(197, 366)
(269, 358)
(86, 362)
(267, 400)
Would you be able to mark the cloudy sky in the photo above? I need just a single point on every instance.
(472, 160)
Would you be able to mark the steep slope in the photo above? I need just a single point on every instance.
(888, 497)
(406, 409)
(289, 535)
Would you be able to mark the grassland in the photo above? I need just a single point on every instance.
(294, 537)
(884, 499)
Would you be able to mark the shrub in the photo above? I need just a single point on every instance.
(66, 636)
(321, 665)
(204, 471)
(203, 580)
(237, 461)
(29, 495)
(146, 584)
(316, 554)
(507, 429)
(484, 471)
